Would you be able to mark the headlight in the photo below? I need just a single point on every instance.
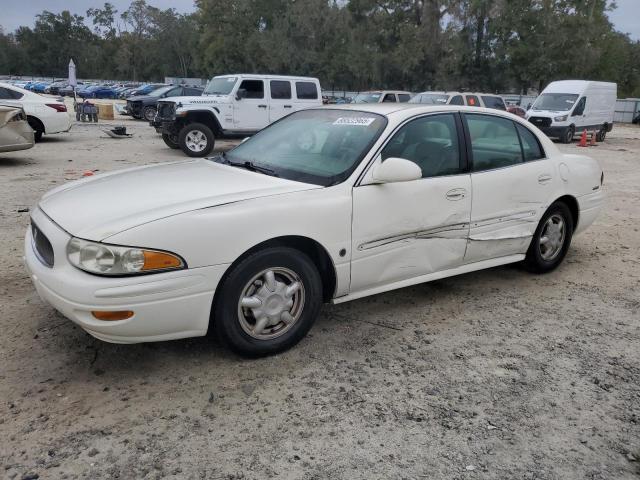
(103, 259)
(561, 119)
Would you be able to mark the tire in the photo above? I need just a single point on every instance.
(542, 258)
(149, 113)
(38, 128)
(568, 135)
(171, 141)
(196, 140)
(236, 324)
(602, 134)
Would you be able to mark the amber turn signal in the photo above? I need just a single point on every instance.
(159, 261)
(112, 316)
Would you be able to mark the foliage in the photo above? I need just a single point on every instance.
(491, 45)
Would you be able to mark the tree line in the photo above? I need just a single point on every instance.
(487, 45)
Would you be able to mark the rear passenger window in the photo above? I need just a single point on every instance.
(457, 100)
(404, 97)
(280, 89)
(389, 97)
(430, 142)
(494, 142)
(493, 102)
(530, 146)
(254, 88)
(472, 101)
(306, 90)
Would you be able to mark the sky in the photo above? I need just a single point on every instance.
(626, 18)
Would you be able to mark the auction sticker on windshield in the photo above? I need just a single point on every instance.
(362, 121)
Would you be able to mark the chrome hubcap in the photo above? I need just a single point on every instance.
(552, 237)
(196, 141)
(271, 303)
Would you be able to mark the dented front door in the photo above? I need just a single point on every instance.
(408, 229)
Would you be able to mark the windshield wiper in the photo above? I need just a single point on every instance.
(248, 165)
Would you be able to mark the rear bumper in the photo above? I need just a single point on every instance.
(57, 123)
(166, 306)
(590, 206)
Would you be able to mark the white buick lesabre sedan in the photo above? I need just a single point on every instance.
(325, 205)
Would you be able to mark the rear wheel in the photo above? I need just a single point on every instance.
(149, 113)
(268, 302)
(171, 141)
(551, 239)
(37, 126)
(196, 140)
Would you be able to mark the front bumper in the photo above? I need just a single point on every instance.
(554, 132)
(166, 306)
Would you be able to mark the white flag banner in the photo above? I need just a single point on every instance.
(72, 74)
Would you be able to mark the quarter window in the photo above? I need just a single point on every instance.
(494, 142)
(280, 89)
(457, 100)
(306, 90)
(404, 97)
(7, 94)
(531, 149)
(430, 142)
(389, 97)
(253, 88)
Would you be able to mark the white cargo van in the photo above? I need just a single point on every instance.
(232, 106)
(568, 107)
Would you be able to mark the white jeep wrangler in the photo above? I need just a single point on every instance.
(232, 106)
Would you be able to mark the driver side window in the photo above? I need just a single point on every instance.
(579, 110)
(430, 142)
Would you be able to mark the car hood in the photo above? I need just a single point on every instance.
(142, 98)
(97, 207)
(199, 100)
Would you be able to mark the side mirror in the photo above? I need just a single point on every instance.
(394, 170)
(241, 93)
(529, 107)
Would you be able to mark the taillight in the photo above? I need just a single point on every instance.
(58, 107)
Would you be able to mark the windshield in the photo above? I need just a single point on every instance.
(431, 98)
(220, 86)
(367, 98)
(322, 147)
(560, 102)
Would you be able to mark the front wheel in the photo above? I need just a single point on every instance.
(171, 141)
(149, 113)
(268, 302)
(568, 135)
(196, 140)
(602, 134)
(551, 239)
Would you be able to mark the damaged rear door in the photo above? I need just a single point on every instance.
(512, 184)
(407, 229)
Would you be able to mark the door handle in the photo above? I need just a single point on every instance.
(544, 178)
(287, 106)
(456, 194)
(262, 106)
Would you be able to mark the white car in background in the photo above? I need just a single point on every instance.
(326, 204)
(46, 115)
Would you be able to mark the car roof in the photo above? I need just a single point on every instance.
(265, 76)
(411, 109)
(385, 91)
(458, 93)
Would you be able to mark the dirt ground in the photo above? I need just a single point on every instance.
(497, 374)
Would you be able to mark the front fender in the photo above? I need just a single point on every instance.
(219, 235)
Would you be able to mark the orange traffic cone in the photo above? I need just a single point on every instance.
(592, 143)
(583, 139)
